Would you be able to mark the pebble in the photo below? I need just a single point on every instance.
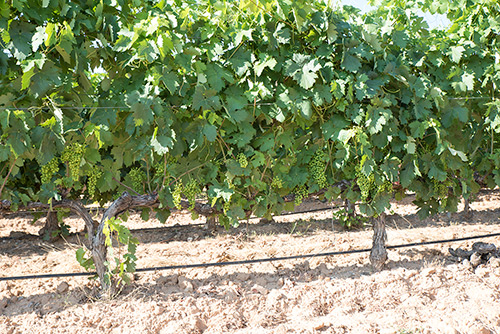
(428, 272)
(199, 324)
(185, 284)
(494, 262)
(483, 330)
(63, 287)
(482, 271)
(475, 259)
(242, 277)
(261, 281)
(259, 289)
(323, 269)
(167, 280)
(3, 303)
(466, 263)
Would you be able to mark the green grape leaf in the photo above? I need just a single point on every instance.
(210, 132)
(456, 53)
(38, 38)
(303, 69)
(265, 61)
(351, 63)
(408, 173)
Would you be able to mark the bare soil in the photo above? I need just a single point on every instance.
(420, 290)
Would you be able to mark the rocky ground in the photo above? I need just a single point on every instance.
(421, 290)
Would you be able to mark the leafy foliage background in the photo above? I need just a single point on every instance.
(248, 102)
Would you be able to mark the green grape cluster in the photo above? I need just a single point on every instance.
(300, 193)
(317, 168)
(177, 195)
(365, 184)
(159, 168)
(242, 160)
(138, 176)
(170, 159)
(72, 155)
(386, 187)
(226, 206)
(277, 182)
(49, 169)
(441, 190)
(92, 177)
(191, 190)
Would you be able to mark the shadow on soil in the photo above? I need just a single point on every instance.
(174, 286)
(24, 244)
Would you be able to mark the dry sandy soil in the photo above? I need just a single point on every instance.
(421, 289)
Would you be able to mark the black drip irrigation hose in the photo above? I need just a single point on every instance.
(240, 262)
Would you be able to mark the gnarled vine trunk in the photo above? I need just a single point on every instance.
(50, 227)
(378, 254)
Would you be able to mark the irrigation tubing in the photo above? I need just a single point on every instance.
(240, 262)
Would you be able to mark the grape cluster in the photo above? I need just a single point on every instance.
(441, 190)
(191, 189)
(138, 176)
(49, 169)
(242, 160)
(92, 177)
(300, 193)
(277, 182)
(177, 195)
(159, 168)
(226, 206)
(317, 167)
(365, 184)
(386, 187)
(170, 159)
(72, 155)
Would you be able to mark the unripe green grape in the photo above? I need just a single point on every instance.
(300, 192)
(441, 190)
(191, 190)
(159, 169)
(242, 160)
(176, 195)
(277, 182)
(138, 176)
(386, 187)
(94, 175)
(72, 155)
(226, 206)
(366, 184)
(170, 159)
(49, 169)
(317, 167)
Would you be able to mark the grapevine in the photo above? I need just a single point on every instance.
(72, 155)
(49, 169)
(317, 167)
(370, 100)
